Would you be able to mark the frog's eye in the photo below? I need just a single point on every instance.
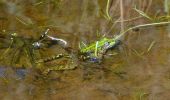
(37, 45)
(106, 44)
(43, 35)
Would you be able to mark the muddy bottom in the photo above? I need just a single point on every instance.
(138, 69)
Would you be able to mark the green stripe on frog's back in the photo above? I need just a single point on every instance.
(93, 45)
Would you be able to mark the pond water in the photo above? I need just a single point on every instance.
(138, 69)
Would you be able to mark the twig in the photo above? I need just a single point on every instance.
(21, 21)
(151, 45)
(96, 48)
(107, 10)
(121, 15)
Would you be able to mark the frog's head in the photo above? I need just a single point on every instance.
(111, 44)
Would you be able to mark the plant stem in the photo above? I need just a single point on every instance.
(139, 26)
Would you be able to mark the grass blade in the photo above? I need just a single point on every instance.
(143, 14)
(96, 48)
(151, 45)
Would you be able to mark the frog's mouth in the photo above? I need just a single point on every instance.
(117, 43)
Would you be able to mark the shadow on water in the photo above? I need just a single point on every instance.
(137, 70)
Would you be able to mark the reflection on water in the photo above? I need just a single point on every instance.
(138, 71)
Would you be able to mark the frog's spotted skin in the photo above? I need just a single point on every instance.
(93, 52)
(24, 52)
(69, 66)
(53, 58)
(103, 45)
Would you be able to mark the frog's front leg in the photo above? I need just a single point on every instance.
(91, 57)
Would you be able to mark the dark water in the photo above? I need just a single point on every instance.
(139, 71)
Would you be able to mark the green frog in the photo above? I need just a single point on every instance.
(28, 49)
(94, 52)
(56, 62)
(23, 52)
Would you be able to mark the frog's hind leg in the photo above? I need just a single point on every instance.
(58, 56)
(59, 68)
(68, 64)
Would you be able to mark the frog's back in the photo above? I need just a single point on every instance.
(92, 46)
